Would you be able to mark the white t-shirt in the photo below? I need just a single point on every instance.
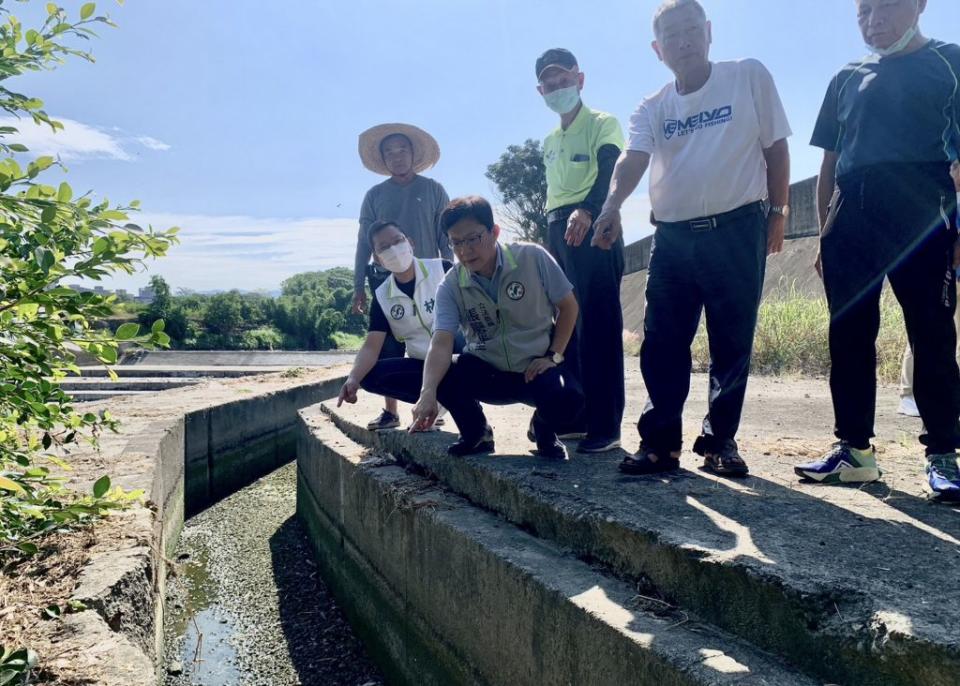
(707, 147)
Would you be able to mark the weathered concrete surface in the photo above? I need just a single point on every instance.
(855, 584)
(120, 635)
(241, 358)
(448, 593)
(172, 372)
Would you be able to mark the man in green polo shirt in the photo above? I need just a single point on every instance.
(580, 156)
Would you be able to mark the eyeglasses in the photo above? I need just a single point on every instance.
(469, 242)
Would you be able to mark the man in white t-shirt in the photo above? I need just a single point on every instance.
(715, 143)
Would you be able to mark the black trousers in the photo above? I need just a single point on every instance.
(397, 377)
(594, 356)
(471, 381)
(718, 271)
(899, 222)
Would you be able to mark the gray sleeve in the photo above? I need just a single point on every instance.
(447, 316)
(442, 245)
(367, 217)
(554, 281)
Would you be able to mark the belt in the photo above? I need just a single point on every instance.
(716, 221)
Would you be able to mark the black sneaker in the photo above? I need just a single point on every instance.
(726, 461)
(598, 445)
(386, 420)
(571, 434)
(647, 462)
(481, 446)
(552, 451)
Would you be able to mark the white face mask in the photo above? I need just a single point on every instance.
(397, 258)
(899, 45)
(563, 100)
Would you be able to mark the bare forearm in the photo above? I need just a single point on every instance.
(626, 177)
(826, 183)
(438, 361)
(566, 322)
(778, 172)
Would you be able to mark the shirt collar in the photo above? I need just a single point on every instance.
(579, 121)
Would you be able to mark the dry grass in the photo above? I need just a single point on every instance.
(49, 578)
(791, 338)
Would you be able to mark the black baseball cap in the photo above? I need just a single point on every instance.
(555, 57)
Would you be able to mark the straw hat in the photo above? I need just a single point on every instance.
(426, 152)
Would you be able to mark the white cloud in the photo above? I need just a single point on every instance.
(152, 143)
(222, 252)
(77, 141)
(247, 253)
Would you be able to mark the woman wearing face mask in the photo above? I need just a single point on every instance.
(890, 129)
(403, 306)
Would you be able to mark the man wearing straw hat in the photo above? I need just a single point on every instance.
(412, 202)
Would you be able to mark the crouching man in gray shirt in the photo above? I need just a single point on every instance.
(504, 298)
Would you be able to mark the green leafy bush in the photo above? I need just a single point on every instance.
(49, 233)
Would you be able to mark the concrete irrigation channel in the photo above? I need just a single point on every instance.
(248, 605)
(505, 570)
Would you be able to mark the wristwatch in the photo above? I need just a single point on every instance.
(556, 358)
(782, 210)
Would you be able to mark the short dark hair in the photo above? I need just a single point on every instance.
(468, 207)
(395, 135)
(379, 226)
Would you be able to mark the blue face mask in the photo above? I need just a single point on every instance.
(563, 100)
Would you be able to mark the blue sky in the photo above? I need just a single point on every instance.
(238, 120)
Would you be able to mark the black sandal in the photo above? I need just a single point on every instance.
(726, 462)
(646, 462)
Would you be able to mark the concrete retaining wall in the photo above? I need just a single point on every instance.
(186, 449)
(446, 593)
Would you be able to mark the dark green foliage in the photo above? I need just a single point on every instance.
(521, 180)
(311, 308)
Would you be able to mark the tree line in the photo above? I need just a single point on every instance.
(312, 312)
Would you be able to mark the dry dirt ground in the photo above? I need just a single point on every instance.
(785, 420)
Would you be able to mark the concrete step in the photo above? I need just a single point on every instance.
(150, 371)
(240, 358)
(855, 585)
(448, 593)
(91, 395)
(128, 383)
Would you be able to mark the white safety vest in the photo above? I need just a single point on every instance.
(411, 319)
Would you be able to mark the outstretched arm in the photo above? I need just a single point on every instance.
(435, 368)
(630, 169)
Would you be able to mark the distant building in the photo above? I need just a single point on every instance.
(146, 295)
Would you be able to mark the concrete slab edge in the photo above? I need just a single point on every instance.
(448, 593)
(802, 626)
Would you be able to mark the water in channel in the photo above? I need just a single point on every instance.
(248, 606)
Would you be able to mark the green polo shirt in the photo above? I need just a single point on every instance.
(571, 156)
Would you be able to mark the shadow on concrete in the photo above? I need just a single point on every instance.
(322, 646)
